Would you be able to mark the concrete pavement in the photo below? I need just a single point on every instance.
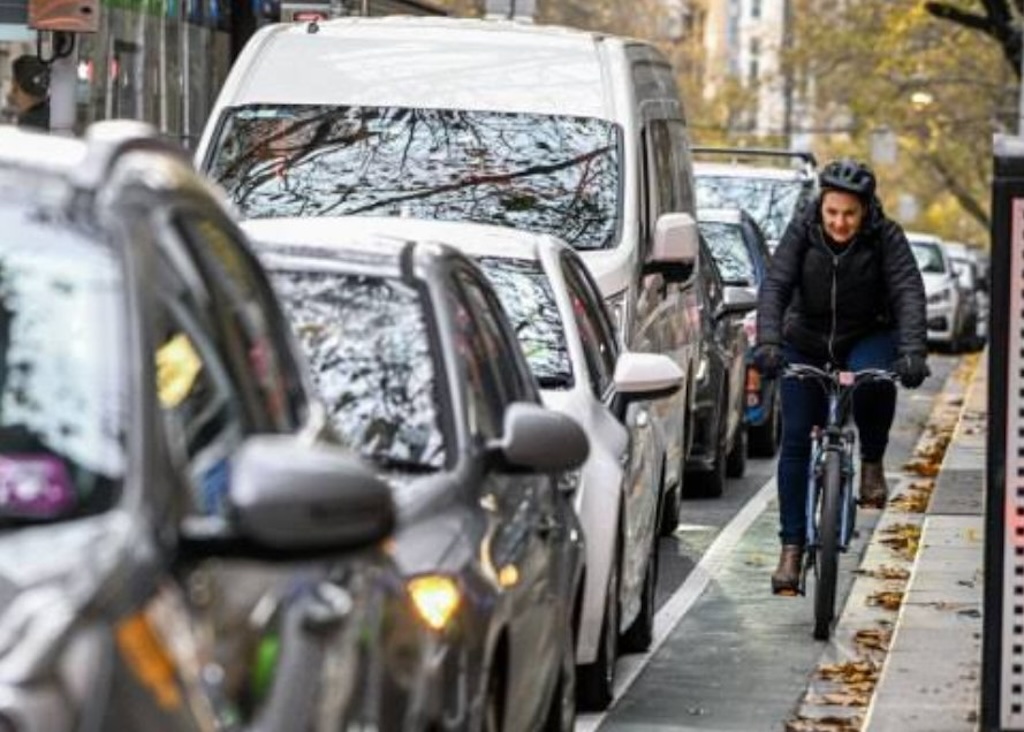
(930, 680)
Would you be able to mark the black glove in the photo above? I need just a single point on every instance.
(768, 359)
(912, 370)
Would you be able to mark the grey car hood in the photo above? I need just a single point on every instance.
(48, 576)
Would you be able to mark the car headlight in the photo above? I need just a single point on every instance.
(436, 597)
(942, 296)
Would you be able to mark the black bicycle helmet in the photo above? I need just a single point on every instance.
(850, 176)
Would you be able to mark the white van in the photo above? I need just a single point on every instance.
(545, 129)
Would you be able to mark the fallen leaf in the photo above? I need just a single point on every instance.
(824, 724)
(873, 639)
(888, 599)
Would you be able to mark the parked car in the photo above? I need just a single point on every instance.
(945, 302)
(572, 349)
(738, 247)
(180, 549)
(975, 299)
(549, 130)
(422, 375)
(757, 181)
(720, 445)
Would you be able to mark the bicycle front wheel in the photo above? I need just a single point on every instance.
(828, 551)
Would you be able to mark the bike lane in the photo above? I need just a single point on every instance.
(740, 658)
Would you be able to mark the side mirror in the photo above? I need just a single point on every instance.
(293, 496)
(675, 249)
(737, 301)
(644, 377)
(540, 440)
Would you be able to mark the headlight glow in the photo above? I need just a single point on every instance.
(436, 598)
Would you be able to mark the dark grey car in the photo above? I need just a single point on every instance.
(719, 446)
(422, 374)
(179, 548)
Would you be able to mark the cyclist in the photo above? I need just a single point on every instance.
(843, 288)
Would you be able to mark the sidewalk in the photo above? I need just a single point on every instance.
(930, 680)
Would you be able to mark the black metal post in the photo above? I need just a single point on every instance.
(1007, 224)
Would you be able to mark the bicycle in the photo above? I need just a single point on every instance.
(831, 505)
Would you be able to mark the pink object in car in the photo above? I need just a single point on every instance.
(35, 485)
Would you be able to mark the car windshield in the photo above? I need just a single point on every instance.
(771, 201)
(62, 370)
(367, 342)
(525, 293)
(929, 257)
(540, 173)
(730, 252)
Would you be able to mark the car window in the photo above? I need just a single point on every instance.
(730, 252)
(549, 174)
(598, 338)
(770, 201)
(662, 171)
(203, 418)
(710, 274)
(505, 355)
(485, 408)
(63, 369)
(526, 294)
(251, 323)
(368, 343)
(929, 257)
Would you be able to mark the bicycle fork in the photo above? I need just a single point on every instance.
(815, 483)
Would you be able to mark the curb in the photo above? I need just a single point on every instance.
(843, 687)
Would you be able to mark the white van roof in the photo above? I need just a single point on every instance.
(427, 63)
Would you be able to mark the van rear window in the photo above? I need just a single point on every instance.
(541, 173)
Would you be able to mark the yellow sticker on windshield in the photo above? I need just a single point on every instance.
(177, 366)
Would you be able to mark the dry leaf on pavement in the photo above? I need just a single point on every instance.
(873, 638)
(824, 724)
(888, 599)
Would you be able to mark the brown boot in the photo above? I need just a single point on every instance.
(873, 489)
(786, 578)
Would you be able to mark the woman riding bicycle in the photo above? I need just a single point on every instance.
(844, 289)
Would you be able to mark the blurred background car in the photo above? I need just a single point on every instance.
(422, 375)
(720, 436)
(739, 249)
(965, 266)
(758, 181)
(157, 432)
(946, 310)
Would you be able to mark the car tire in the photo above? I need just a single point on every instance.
(668, 517)
(763, 439)
(595, 682)
(494, 704)
(640, 633)
(562, 712)
(736, 461)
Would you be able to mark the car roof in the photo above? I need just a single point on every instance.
(725, 215)
(20, 148)
(371, 235)
(923, 238)
(739, 170)
(430, 63)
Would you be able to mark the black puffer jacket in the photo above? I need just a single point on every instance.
(822, 302)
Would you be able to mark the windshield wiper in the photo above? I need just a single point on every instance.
(560, 380)
(400, 465)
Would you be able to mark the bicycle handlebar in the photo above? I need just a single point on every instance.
(839, 376)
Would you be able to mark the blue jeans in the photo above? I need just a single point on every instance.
(805, 405)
